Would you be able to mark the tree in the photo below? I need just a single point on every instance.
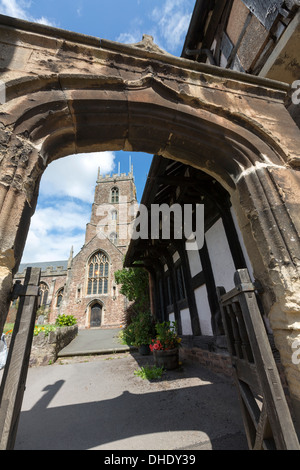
(135, 286)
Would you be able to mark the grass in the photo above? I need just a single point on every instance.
(149, 372)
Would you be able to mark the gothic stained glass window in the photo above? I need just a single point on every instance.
(98, 269)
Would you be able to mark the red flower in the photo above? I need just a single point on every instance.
(156, 345)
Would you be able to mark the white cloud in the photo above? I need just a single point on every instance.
(172, 20)
(67, 191)
(61, 217)
(19, 9)
(129, 38)
(52, 249)
(169, 25)
(54, 230)
(75, 176)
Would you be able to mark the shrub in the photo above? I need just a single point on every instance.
(139, 331)
(127, 335)
(143, 328)
(135, 286)
(66, 320)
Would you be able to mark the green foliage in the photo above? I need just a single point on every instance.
(135, 286)
(66, 320)
(44, 328)
(149, 373)
(140, 330)
(166, 337)
(127, 335)
(143, 328)
(8, 328)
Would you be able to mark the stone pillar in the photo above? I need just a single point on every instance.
(267, 206)
(20, 175)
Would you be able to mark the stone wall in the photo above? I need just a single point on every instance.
(219, 363)
(45, 349)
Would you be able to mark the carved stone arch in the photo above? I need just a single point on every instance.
(77, 118)
(233, 126)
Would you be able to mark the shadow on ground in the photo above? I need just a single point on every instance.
(190, 408)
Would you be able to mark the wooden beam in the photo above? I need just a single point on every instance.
(15, 373)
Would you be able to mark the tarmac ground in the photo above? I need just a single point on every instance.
(97, 402)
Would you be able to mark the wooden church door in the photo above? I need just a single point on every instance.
(96, 314)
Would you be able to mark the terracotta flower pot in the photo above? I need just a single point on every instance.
(169, 358)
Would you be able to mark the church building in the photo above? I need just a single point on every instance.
(84, 285)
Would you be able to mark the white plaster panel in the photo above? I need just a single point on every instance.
(194, 261)
(186, 322)
(220, 256)
(204, 312)
(171, 316)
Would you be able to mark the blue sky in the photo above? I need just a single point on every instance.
(67, 186)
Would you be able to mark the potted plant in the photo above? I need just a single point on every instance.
(165, 346)
(143, 329)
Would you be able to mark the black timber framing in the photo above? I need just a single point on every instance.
(210, 286)
(190, 294)
(172, 182)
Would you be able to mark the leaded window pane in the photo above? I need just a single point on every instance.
(91, 270)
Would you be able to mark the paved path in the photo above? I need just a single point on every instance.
(95, 341)
(97, 402)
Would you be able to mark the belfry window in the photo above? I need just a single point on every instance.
(113, 237)
(114, 195)
(98, 269)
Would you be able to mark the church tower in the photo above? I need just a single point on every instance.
(115, 197)
(91, 293)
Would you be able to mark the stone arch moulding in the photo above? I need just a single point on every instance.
(67, 93)
(89, 307)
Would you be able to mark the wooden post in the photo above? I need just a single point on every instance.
(15, 373)
(268, 425)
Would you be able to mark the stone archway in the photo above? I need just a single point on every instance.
(95, 314)
(67, 93)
